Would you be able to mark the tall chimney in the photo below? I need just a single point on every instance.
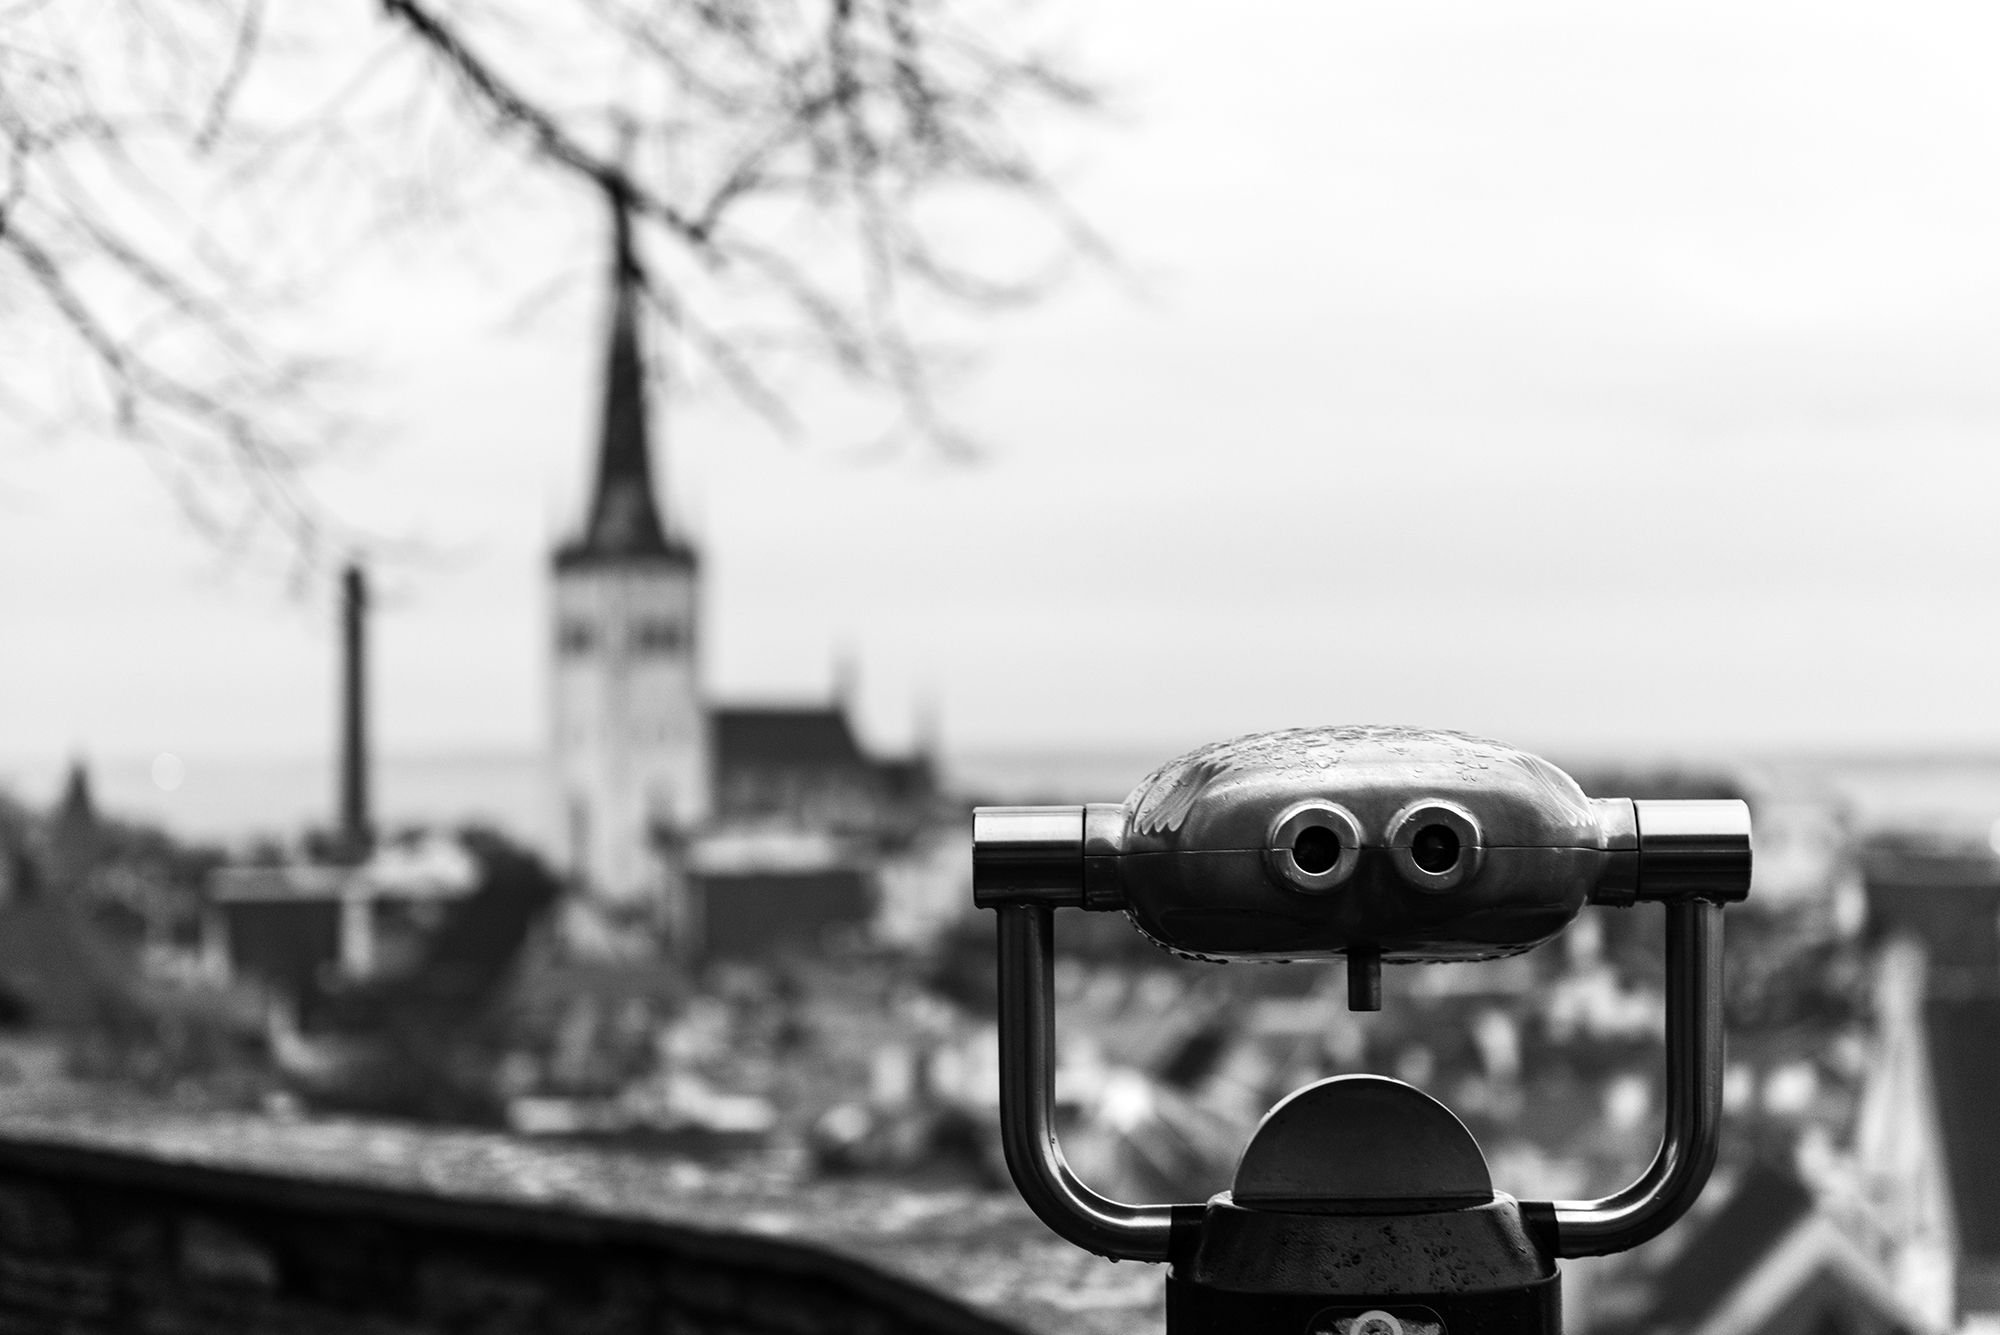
(355, 833)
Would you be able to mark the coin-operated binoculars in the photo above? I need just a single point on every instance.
(1361, 1205)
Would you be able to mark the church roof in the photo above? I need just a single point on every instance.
(784, 735)
(624, 518)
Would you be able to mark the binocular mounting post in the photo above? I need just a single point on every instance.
(1613, 1223)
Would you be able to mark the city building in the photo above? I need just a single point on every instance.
(629, 741)
(1900, 1230)
(298, 926)
(1769, 1261)
(720, 828)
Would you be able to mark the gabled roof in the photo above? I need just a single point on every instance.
(1964, 1041)
(1767, 1203)
(624, 519)
(815, 735)
(1769, 1263)
(1815, 1281)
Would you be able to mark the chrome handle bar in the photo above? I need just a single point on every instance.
(1693, 1128)
(1027, 1107)
(1147, 1232)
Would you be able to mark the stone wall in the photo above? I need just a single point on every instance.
(95, 1240)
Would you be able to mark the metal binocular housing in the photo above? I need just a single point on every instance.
(1371, 844)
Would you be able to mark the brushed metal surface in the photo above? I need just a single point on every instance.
(1220, 797)
(1693, 849)
(1027, 853)
(1530, 848)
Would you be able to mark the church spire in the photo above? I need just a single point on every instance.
(624, 519)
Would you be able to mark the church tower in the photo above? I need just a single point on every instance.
(630, 745)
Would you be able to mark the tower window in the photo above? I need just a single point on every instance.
(575, 637)
(579, 839)
(659, 635)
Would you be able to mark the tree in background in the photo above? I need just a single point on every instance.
(801, 177)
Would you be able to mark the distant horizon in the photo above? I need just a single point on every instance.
(1636, 752)
(241, 798)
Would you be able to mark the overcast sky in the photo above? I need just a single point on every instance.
(1590, 376)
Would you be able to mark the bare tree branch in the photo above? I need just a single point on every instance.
(857, 116)
(248, 29)
(513, 111)
(788, 164)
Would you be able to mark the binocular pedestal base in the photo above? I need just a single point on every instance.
(1533, 1309)
(1362, 1206)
